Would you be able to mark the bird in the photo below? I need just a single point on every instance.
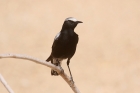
(64, 45)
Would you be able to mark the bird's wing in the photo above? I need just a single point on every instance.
(56, 41)
(57, 36)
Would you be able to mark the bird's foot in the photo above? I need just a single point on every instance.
(71, 81)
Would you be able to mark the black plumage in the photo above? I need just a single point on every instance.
(64, 45)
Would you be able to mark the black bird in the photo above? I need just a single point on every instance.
(64, 45)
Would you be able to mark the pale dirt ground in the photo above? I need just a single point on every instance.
(107, 59)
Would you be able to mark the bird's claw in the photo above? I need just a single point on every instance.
(71, 81)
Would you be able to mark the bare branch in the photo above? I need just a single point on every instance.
(57, 68)
(5, 84)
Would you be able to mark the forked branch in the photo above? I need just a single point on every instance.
(57, 68)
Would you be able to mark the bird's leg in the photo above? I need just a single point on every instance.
(59, 64)
(68, 61)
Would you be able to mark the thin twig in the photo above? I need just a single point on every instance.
(5, 84)
(57, 68)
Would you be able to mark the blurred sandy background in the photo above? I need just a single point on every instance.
(107, 59)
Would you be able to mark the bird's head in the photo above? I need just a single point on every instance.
(71, 23)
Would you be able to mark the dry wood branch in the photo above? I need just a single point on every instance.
(5, 84)
(57, 68)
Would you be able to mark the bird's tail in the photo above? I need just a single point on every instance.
(55, 62)
(49, 58)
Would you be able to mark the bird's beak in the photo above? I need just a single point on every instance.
(79, 21)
